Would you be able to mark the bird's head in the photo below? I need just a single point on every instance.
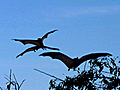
(75, 58)
(39, 39)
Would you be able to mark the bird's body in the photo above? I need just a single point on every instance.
(38, 43)
(73, 63)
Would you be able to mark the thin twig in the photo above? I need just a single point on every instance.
(51, 76)
(1, 88)
(48, 74)
(22, 82)
(85, 65)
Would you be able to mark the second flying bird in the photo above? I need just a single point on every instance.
(39, 44)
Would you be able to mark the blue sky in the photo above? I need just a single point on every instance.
(83, 27)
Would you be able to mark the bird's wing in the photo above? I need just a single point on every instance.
(35, 42)
(51, 48)
(57, 55)
(91, 56)
(45, 36)
(94, 56)
(27, 50)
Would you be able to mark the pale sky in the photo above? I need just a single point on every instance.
(83, 27)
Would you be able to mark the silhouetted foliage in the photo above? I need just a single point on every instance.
(1, 88)
(102, 73)
(12, 82)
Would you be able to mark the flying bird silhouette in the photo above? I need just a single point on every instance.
(73, 63)
(38, 44)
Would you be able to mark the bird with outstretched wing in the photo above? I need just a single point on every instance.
(39, 44)
(73, 63)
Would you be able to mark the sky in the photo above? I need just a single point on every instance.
(84, 26)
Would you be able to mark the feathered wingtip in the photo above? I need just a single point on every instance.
(40, 55)
(106, 54)
(55, 30)
(109, 54)
(13, 39)
(18, 56)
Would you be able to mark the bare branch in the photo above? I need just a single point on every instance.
(48, 74)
